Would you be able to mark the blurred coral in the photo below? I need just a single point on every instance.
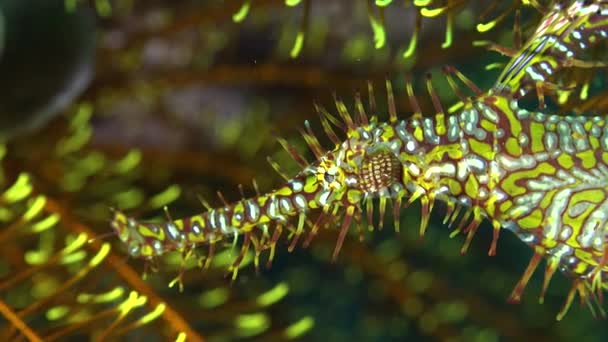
(187, 98)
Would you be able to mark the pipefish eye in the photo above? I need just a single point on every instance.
(330, 175)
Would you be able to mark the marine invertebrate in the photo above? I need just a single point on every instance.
(539, 175)
(489, 16)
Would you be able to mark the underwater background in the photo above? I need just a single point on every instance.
(139, 105)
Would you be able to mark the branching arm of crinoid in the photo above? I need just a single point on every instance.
(61, 273)
(491, 15)
(566, 32)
